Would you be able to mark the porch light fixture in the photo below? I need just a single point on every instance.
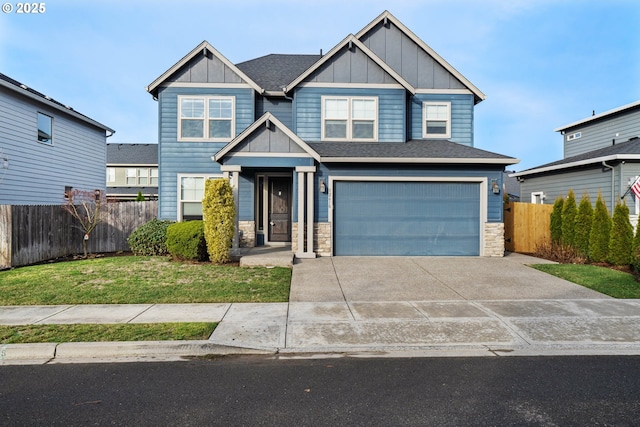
(495, 187)
(323, 186)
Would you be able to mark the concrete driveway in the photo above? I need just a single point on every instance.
(339, 279)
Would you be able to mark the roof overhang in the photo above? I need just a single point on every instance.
(421, 160)
(631, 106)
(610, 158)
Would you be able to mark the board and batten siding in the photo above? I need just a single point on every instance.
(391, 111)
(38, 173)
(494, 201)
(601, 133)
(461, 116)
(182, 157)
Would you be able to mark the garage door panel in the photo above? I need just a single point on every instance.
(406, 218)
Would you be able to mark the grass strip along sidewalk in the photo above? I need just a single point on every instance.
(132, 280)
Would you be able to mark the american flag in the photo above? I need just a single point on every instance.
(636, 187)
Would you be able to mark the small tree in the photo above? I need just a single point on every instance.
(621, 239)
(636, 247)
(140, 197)
(556, 221)
(218, 214)
(569, 212)
(583, 225)
(89, 208)
(600, 229)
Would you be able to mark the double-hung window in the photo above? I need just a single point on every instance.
(436, 120)
(190, 195)
(347, 118)
(206, 118)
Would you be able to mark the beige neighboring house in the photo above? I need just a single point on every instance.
(132, 168)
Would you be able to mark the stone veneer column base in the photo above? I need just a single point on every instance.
(321, 238)
(247, 231)
(494, 239)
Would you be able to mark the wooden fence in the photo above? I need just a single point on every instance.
(526, 225)
(32, 234)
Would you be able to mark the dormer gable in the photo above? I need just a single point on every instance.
(413, 59)
(203, 65)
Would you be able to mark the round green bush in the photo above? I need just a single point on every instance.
(185, 240)
(150, 239)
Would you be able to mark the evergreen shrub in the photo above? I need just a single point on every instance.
(218, 211)
(621, 239)
(185, 241)
(599, 235)
(150, 239)
(569, 212)
(556, 221)
(583, 225)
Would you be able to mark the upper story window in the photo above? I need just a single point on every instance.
(111, 174)
(45, 129)
(436, 119)
(573, 136)
(141, 176)
(206, 118)
(347, 118)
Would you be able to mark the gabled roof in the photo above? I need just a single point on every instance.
(132, 154)
(629, 150)
(595, 117)
(205, 46)
(415, 151)
(262, 121)
(273, 72)
(16, 86)
(350, 40)
(387, 16)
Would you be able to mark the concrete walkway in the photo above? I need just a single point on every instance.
(422, 306)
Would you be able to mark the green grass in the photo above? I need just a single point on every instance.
(94, 333)
(614, 283)
(141, 280)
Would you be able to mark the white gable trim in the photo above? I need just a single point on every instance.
(561, 166)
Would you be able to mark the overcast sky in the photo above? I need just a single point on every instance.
(542, 64)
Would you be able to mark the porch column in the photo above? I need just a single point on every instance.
(307, 252)
(234, 171)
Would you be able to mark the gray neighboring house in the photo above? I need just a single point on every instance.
(601, 154)
(132, 168)
(46, 148)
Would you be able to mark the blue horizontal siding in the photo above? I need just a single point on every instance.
(461, 116)
(281, 108)
(391, 111)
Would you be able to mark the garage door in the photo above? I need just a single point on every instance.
(406, 218)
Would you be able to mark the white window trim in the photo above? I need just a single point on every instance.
(179, 199)
(349, 136)
(111, 173)
(424, 120)
(50, 142)
(537, 195)
(206, 119)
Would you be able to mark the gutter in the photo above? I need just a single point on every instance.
(605, 165)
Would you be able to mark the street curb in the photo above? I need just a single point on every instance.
(37, 351)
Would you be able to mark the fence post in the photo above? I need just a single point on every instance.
(5, 236)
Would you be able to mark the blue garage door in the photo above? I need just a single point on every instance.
(406, 218)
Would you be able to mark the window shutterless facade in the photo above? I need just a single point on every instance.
(190, 195)
(45, 129)
(206, 118)
(348, 118)
(436, 120)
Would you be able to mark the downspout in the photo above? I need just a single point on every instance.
(604, 164)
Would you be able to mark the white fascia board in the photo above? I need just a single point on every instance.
(423, 160)
(598, 116)
(613, 157)
(386, 14)
(196, 51)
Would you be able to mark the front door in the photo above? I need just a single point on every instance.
(279, 209)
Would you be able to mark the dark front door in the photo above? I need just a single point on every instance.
(279, 209)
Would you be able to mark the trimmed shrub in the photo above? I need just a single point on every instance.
(599, 235)
(583, 225)
(621, 239)
(569, 212)
(556, 221)
(185, 240)
(218, 212)
(150, 239)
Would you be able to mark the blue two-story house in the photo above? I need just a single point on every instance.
(365, 150)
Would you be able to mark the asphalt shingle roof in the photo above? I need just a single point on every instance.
(272, 72)
(132, 154)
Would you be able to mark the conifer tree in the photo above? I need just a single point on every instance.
(569, 212)
(583, 225)
(599, 235)
(556, 220)
(621, 238)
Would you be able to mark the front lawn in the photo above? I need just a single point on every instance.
(141, 280)
(614, 283)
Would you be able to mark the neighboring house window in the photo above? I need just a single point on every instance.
(143, 176)
(190, 194)
(537, 198)
(111, 174)
(154, 177)
(436, 119)
(131, 176)
(206, 118)
(349, 118)
(45, 129)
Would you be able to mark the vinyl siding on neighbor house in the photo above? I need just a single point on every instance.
(601, 133)
(37, 172)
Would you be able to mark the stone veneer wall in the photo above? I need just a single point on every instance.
(494, 239)
(321, 238)
(248, 236)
